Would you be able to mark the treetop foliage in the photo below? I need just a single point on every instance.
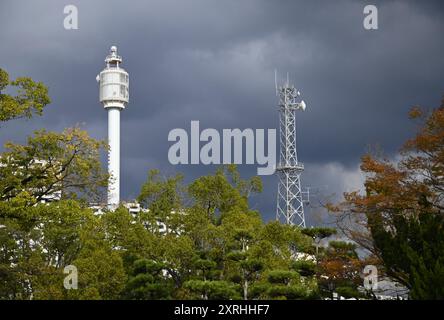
(31, 97)
(399, 216)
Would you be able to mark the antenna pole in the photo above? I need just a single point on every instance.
(275, 81)
(290, 202)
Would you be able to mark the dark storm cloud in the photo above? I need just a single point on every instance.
(213, 61)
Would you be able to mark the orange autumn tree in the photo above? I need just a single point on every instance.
(339, 270)
(399, 217)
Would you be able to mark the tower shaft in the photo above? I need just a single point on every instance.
(114, 157)
(114, 95)
(290, 205)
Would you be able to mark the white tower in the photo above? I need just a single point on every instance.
(290, 203)
(114, 95)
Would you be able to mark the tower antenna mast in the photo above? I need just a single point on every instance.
(290, 202)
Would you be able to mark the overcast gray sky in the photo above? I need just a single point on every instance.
(214, 61)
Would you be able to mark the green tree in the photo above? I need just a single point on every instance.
(284, 285)
(163, 198)
(53, 163)
(318, 234)
(213, 290)
(31, 97)
(148, 281)
(239, 229)
(222, 192)
(100, 272)
(38, 240)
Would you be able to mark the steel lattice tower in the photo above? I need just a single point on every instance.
(290, 203)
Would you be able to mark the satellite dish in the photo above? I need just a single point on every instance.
(303, 105)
